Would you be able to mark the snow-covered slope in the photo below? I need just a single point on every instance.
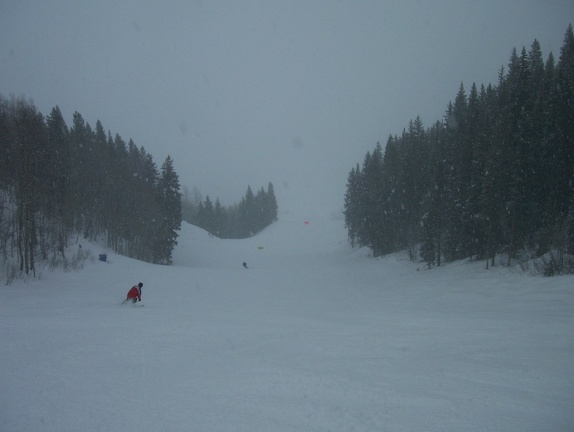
(313, 336)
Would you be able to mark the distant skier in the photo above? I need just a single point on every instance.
(135, 293)
(244, 264)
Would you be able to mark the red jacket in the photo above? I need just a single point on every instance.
(135, 292)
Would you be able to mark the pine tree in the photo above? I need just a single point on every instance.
(170, 204)
(491, 209)
(496, 177)
(57, 183)
(201, 217)
(260, 213)
(271, 207)
(372, 203)
(391, 197)
(434, 203)
(565, 133)
(247, 214)
(208, 216)
(352, 210)
(32, 141)
(7, 146)
(219, 220)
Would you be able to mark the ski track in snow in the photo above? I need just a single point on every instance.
(313, 336)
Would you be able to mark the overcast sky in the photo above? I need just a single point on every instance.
(247, 92)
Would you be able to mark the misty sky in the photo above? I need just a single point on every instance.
(247, 92)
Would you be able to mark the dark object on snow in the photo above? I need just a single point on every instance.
(135, 293)
(244, 264)
(103, 257)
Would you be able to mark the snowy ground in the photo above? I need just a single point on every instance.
(314, 336)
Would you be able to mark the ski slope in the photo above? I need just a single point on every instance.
(313, 336)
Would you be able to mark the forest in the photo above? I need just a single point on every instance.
(494, 177)
(60, 184)
(253, 213)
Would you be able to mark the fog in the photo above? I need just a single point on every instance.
(243, 93)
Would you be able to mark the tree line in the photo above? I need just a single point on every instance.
(495, 176)
(253, 213)
(59, 182)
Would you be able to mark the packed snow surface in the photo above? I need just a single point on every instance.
(313, 336)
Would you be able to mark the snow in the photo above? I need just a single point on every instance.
(313, 336)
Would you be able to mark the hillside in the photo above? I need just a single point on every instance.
(313, 336)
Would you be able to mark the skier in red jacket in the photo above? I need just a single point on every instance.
(135, 293)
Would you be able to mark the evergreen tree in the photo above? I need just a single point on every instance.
(170, 205)
(31, 136)
(248, 214)
(7, 145)
(259, 207)
(57, 183)
(270, 207)
(565, 131)
(458, 179)
(391, 197)
(434, 204)
(201, 217)
(497, 176)
(490, 199)
(219, 220)
(208, 215)
(549, 153)
(415, 171)
(352, 209)
(79, 180)
(372, 200)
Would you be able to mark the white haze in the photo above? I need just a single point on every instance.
(313, 336)
(238, 93)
